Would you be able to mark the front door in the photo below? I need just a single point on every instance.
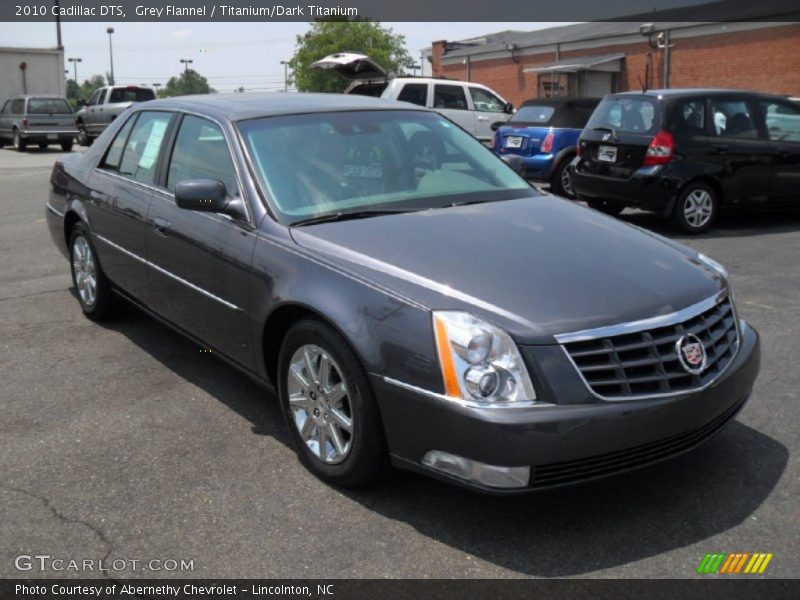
(488, 109)
(200, 275)
(782, 119)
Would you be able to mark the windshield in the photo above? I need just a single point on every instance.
(534, 114)
(341, 162)
(628, 114)
(49, 106)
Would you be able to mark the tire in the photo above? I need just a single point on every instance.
(83, 137)
(20, 145)
(696, 208)
(359, 456)
(66, 146)
(560, 181)
(609, 207)
(98, 305)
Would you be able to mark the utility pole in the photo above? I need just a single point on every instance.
(158, 87)
(75, 62)
(186, 62)
(285, 64)
(59, 45)
(109, 31)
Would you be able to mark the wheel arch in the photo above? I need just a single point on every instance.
(708, 180)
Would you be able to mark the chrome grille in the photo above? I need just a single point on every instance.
(645, 362)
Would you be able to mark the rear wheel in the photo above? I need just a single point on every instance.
(329, 406)
(84, 139)
(696, 208)
(42, 146)
(19, 144)
(66, 146)
(609, 207)
(94, 291)
(561, 180)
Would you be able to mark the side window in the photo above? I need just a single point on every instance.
(732, 119)
(93, 98)
(783, 121)
(114, 153)
(691, 116)
(416, 93)
(17, 106)
(449, 96)
(486, 101)
(201, 152)
(101, 98)
(6, 107)
(142, 147)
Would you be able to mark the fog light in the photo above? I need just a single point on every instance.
(472, 470)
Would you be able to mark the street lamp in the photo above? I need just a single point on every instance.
(109, 31)
(75, 62)
(285, 64)
(186, 62)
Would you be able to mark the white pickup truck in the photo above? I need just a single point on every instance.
(472, 105)
(105, 105)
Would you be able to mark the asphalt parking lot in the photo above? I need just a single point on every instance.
(124, 441)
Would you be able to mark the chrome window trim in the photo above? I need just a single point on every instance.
(55, 211)
(167, 273)
(467, 403)
(652, 323)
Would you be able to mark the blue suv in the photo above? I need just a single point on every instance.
(544, 133)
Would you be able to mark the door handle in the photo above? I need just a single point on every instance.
(483, 118)
(161, 226)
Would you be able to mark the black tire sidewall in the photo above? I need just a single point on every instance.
(19, 144)
(102, 306)
(367, 458)
(680, 219)
(555, 180)
(66, 146)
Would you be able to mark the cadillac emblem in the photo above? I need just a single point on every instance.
(691, 354)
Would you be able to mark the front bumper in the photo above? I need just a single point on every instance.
(568, 442)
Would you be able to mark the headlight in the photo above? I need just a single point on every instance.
(714, 265)
(480, 363)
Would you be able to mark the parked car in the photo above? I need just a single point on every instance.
(105, 105)
(471, 105)
(40, 120)
(690, 153)
(544, 132)
(411, 298)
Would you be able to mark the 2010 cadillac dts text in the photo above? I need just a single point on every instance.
(412, 299)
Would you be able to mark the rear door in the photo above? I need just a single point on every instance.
(94, 114)
(782, 120)
(451, 101)
(618, 134)
(740, 150)
(120, 191)
(201, 275)
(489, 109)
(415, 93)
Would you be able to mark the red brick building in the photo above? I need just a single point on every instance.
(593, 59)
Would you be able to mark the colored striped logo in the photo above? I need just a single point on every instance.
(739, 562)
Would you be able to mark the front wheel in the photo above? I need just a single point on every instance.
(66, 146)
(609, 207)
(561, 180)
(94, 291)
(329, 406)
(696, 208)
(84, 139)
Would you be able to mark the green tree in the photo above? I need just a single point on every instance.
(73, 91)
(90, 85)
(328, 37)
(188, 82)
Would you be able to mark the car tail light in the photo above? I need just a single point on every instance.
(581, 147)
(660, 150)
(547, 144)
(25, 121)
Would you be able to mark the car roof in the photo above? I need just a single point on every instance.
(242, 106)
(562, 101)
(682, 92)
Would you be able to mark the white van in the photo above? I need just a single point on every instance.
(472, 105)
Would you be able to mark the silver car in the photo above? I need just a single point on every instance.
(40, 120)
(105, 105)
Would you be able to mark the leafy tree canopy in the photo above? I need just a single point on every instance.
(188, 82)
(328, 37)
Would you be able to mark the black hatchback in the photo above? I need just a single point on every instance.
(689, 153)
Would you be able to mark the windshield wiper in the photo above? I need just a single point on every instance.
(609, 130)
(346, 216)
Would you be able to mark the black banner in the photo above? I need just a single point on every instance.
(392, 10)
(341, 589)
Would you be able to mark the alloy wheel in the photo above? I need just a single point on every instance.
(698, 208)
(83, 269)
(320, 404)
(566, 182)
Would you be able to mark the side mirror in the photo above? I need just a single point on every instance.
(515, 162)
(510, 108)
(208, 195)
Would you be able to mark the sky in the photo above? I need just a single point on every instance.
(229, 55)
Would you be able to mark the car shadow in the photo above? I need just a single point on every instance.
(564, 532)
(727, 225)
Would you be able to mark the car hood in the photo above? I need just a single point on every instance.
(537, 266)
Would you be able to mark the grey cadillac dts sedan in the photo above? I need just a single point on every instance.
(413, 301)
